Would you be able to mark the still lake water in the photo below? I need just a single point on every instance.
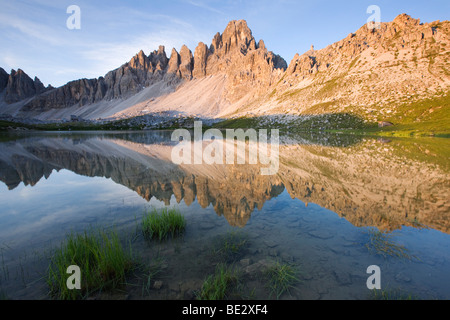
(316, 213)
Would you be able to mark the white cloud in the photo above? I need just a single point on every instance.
(10, 61)
(32, 29)
(204, 6)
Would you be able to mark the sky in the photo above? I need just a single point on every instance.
(35, 37)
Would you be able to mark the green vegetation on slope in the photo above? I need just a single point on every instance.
(425, 117)
(428, 117)
(317, 122)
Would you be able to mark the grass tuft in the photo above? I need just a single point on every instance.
(219, 285)
(391, 295)
(229, 247)
(161, 225)
(281, 278)
(3, 295)
(102, 260)
(381, 243)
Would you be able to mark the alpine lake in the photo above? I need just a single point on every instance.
(337, 205)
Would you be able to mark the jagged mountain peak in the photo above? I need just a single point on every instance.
(400, 62)
(3, 79)
(406, 20)
(19, 86)
(367, 68)
(233, 53)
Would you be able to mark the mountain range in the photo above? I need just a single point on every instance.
(370, 73)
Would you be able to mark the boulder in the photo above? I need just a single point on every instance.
(383, 124)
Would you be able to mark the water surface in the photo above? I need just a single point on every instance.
(316, 213)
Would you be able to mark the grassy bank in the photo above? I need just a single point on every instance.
(135, 124)
(426, 117)
(429, 117)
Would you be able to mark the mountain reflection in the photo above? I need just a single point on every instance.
(369, 182)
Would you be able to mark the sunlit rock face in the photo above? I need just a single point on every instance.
(369, 183)
(234, 53)
(370, 72)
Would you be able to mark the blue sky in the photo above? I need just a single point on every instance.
(35, 38)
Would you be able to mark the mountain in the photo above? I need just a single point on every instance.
(234, 54)
(18, 86)
(369, 73)
(404, 60)
(3, 79)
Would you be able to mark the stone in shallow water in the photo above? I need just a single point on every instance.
(273, 252)
(294, 225)
(286, 257)
(321, 234)
(157, 285)
(206, 225)
(401, 277)
(292, 219)
(245, 262)
(343, 278)
(259, 267)
(270, 243)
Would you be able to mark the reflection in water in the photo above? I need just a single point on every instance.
(369, 182)
(55, 183)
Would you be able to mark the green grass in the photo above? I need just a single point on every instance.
(220, 285)
(162, 224)
(4, 125)
(101, 257)
(150, 273)
(239, 123)
(312, 123)
(354, 62)
(3, 295)
(381, 243)
(391, 295)
(117, 125)
(67, 126)
(427, 117)
(281, 278)
(330, 87)
(230, 247)
(424, 117)
(291, 94)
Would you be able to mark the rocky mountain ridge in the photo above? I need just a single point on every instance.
(371, 69)
(19, 86)
(235, 53)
